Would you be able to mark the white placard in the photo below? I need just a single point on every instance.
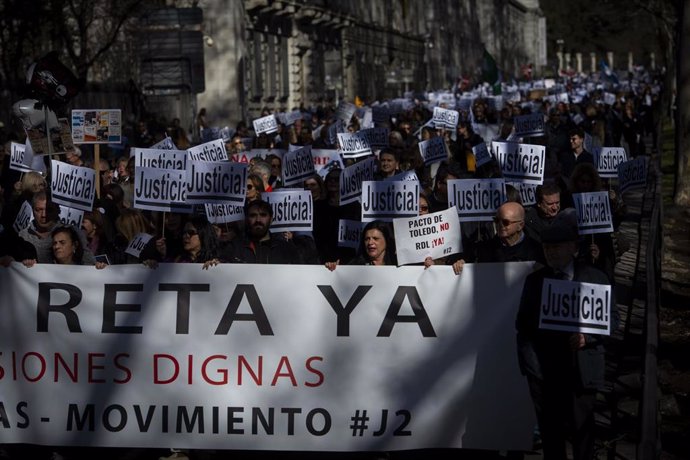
(20, 159)
(481, 154)
(213, 151)
(267, 124)
(224, 213)
(138, 244)
(431, 235)
(487, 131)
(528, 192)
(216, 182)
(476, 199)
(159, 158)
(575, 307)
(378, 137)
(326, 158)
(165, 144)
(608, 159)
(161, 190)
(521, 162)
(593, 212)
(97, 126)
(178, 346)
(367, 119)
(334, 129)
(293, 210)
(384, 200)
(609, 98)
(633, 174)
(292, 117)
(445, 118)
(71, 216)
(24, 217)
(345, 111)
(405, 175)
(298, 166)
(37, 164)
(353, 145)
(210, 134)
(352, 177)
(433, 150)
(73, 186)
(349, 233)
(529, 125)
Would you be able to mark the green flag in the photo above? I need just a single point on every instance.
(489, 68)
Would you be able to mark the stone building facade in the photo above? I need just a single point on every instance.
(282, 54)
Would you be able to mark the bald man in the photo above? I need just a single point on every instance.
(511, 243)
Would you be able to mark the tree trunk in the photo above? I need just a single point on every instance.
(682, 196)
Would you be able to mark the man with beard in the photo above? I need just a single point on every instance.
(259, 246)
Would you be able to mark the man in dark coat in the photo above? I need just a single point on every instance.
(577, 153)
(511, 243)
(563, 369)
(258, 246)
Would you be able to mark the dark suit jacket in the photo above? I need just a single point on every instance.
(568, 161)
(546, 354)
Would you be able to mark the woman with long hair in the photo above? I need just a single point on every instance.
(128, 225)
(376, 246)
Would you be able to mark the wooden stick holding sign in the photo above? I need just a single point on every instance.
(97, 168)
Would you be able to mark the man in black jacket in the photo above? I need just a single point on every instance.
(511, 243)
(577, 153)
(563, 369)
(258, 246)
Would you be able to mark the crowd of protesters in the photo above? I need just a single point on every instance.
(518, 232)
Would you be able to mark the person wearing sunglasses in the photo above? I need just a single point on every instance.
(255, 187)
(511, 243)
(199, 243)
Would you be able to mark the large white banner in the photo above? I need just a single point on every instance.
(263, 357)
